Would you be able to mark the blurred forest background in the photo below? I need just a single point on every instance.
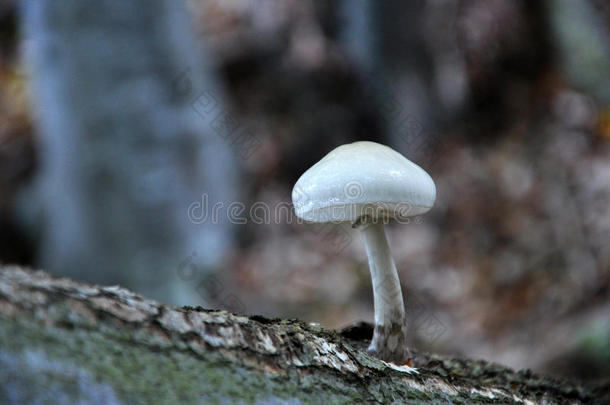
(121, 125)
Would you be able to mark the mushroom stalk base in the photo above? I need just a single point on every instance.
(390, 338)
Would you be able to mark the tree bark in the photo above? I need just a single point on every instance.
(66, 342)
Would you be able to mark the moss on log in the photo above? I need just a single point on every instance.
(66, 342)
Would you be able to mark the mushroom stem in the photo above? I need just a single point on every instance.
(389, 339)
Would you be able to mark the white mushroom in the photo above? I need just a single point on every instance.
(367, 184)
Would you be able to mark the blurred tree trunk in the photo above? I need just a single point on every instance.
(65, 342)
(413, 73)
(405, 68)
(125, 110)
(583, 44)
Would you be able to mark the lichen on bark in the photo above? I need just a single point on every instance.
(67, 341)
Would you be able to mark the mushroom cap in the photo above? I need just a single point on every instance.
(363, 179)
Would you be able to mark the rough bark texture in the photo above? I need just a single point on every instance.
(65, 342)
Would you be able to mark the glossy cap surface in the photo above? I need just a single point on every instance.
(363, 179)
